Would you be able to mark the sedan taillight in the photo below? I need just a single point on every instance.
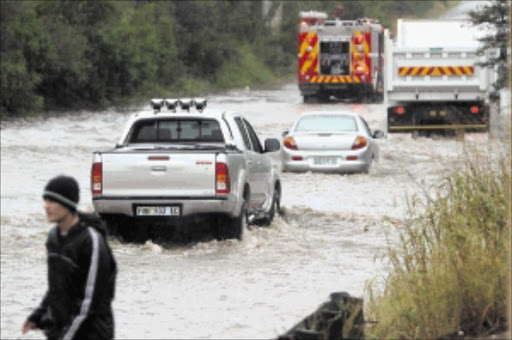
(359, 143)
(221, 178)
(97, 179)
(289, 143)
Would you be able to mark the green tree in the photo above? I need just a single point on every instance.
(63, 53)
(495, 17)
(21, 44)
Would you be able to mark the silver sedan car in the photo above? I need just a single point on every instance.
(330, 141)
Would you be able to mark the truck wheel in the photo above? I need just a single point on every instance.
(238, 224)
(274, 208)
(133, 231)
(112, 225)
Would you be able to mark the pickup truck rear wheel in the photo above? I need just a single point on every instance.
(238, 224)
(111, 225)
(133, 231)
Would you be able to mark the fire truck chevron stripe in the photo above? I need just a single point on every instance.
(308, 58)
(436, 70)
(336, 79)
(304, 43)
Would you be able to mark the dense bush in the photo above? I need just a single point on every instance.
(62, 54)
(450, 268)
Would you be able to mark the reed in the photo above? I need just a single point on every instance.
(450, 265)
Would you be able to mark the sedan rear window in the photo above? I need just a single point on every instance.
(326, 123)
(176, 130)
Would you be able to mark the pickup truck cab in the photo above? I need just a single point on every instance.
(178, 163)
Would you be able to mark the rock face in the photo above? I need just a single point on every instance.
(340, 318)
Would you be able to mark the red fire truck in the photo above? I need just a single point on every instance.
(340, 58)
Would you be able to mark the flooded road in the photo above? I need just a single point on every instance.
(260, 287)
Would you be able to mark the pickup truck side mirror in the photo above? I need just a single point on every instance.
(378, 134)
(284, 133)
(272, 144)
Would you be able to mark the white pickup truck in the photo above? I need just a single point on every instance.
(176, 164)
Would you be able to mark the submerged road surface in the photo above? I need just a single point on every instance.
(328, 240)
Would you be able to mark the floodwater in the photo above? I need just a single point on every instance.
(328, 240)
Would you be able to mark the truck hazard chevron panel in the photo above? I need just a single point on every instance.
(437, 71)
(335, 79)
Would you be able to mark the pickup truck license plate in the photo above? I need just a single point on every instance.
(158, 211)
(324, 160)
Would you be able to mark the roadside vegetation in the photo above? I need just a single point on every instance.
(92, 54)
(450, 268)
(495, 16)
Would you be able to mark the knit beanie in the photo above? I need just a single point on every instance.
(63, 190)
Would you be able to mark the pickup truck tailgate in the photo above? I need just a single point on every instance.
(158, 175)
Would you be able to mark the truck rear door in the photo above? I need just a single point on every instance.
(163, 174)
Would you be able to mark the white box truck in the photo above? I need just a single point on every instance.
(433, 81)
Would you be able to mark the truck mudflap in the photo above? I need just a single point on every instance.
(438, 117)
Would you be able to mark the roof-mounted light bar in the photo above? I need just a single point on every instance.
(200, 103)
(313, 15)
(185, 104)
(171, 104)
(157, 104)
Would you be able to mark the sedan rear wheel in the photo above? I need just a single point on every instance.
(366, 169)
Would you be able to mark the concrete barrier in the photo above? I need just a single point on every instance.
(341, 317)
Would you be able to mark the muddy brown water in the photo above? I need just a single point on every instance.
(328, 240)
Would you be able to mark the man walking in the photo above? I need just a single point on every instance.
(81, 270)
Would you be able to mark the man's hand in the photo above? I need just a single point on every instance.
(27, 326)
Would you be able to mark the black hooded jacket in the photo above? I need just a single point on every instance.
(81, 283)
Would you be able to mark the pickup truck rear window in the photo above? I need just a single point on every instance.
(176, 130)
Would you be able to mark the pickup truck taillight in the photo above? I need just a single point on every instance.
(221, 178)
(97, 179)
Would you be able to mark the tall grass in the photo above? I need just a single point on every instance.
(450, 266)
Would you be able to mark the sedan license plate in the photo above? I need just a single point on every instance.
(158, 211)
(324, 160)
